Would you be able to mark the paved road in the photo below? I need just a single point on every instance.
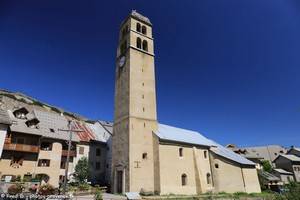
(106, 196)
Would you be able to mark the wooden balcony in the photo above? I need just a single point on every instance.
(7, 140)
(21, 147)
(65, 153)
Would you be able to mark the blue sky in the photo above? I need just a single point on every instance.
(227, 68)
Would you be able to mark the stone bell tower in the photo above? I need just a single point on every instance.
(134, 145)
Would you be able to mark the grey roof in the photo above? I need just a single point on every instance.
(140, 17)
(4, 117)
(48, 121)
(269, 152)
(291, 157)
(282, 171)
(99, 132)
(173, 134)
(107, 125)
(268, 176)
(294, 148)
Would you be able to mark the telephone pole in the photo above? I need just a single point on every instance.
(68, 153)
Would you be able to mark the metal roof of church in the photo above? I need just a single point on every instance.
(170, 133)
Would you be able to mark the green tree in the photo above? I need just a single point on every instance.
(267, 166)
(292, 192)
(82, 170)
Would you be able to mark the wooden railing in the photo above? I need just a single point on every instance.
(7, 140)
(65, 153)
(21, 147)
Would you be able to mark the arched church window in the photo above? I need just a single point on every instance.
(138, 43)
(145, 45)
(208, 178)
(183, 179)
(144, 30)
(138, 27)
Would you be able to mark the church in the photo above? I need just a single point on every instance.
(150, 157)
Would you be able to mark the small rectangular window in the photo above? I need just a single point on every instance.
(180, 152)
(98, 152)
(144, 156)
(46, 146)
(81, 150)
(44, 163)
(205, 154)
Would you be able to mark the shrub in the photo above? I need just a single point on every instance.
(83, 187)
(292, 192)
(98, 194)
(46, 189)
(238, 194)
(15, 189)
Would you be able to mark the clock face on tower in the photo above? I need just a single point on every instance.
(122, 61)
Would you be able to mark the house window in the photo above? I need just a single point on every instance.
(138, 43)
(51, 130)
(21, 113)
(27, 177)
(46, 146)
(97, 165)
(208, 178)
(217, 166)
(205, 154)
(145, 45)
(138, 27)
(33, 123)
(81, 150)
(16, 161)
(144, 30)
(98, 152)
(145, 156)
(183, 179)
(180, 152)
(143, 109)
(61, 178)
(63, 164)
(44, 163)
